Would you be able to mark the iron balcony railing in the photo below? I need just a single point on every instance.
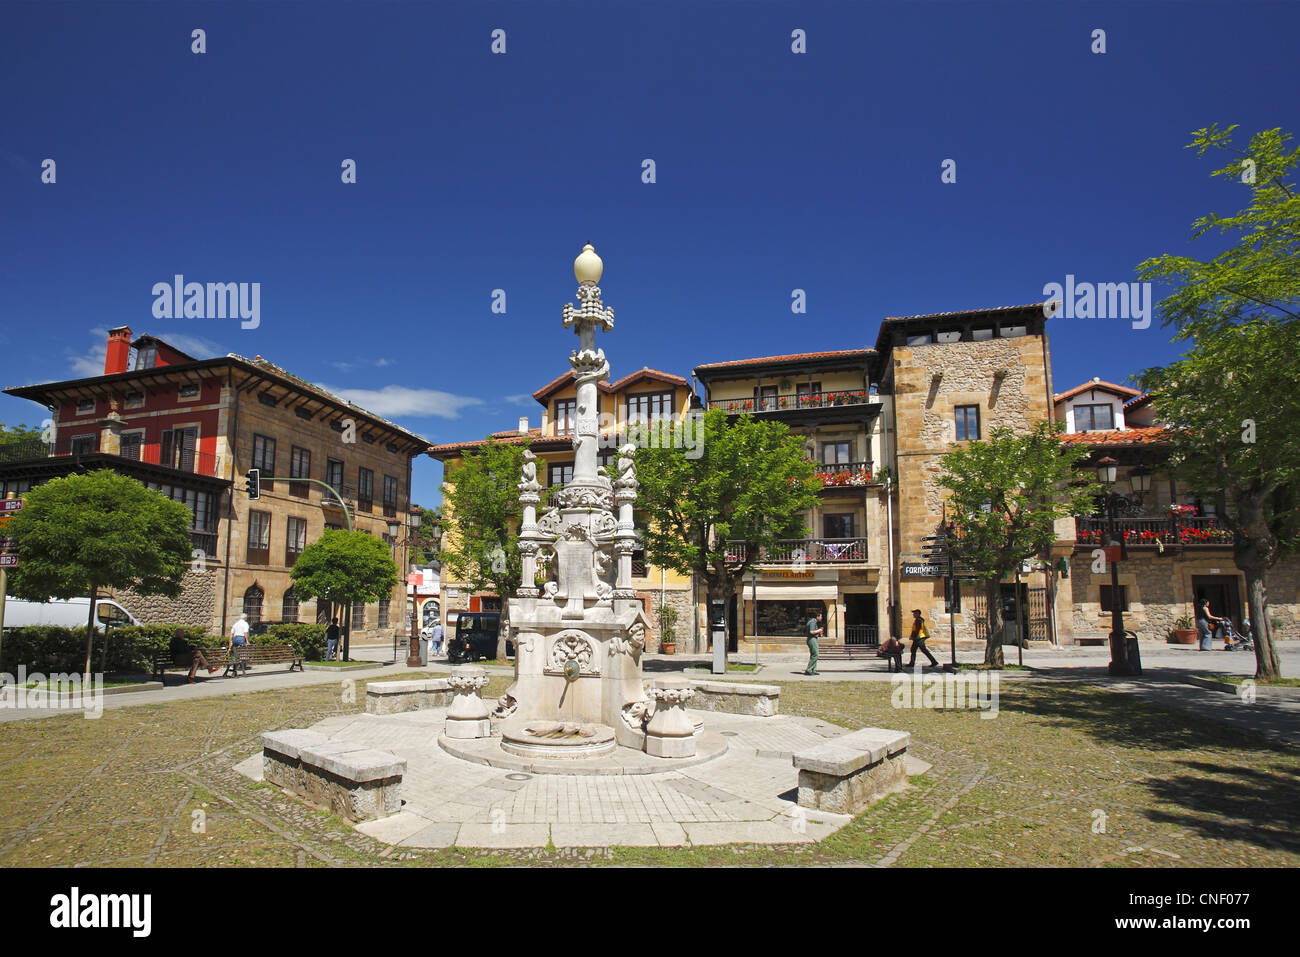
(1205, 531)
(184, 460)
(792, 551)
(789, 403)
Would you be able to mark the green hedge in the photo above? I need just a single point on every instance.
(307, 640)
(51, 649)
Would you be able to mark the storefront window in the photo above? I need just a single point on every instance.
(788, 618)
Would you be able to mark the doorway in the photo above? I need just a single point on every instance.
(1222, 591)
(861, 625)
(1011, 632)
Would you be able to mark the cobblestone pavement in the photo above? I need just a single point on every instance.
(744, 796)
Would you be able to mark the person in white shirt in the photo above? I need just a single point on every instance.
(238, 639)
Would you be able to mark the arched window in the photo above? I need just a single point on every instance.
(253, 604)
(324, 611)
(289, 606)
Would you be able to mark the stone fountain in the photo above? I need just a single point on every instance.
(578, 690)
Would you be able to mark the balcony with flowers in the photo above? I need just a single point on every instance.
(1178, 529)
(844, 474)
(797, 402)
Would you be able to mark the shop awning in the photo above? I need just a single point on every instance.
(788, 592)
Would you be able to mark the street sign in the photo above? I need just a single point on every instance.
(8, 543)
(922, 570)
(8, 561)
(10, 504)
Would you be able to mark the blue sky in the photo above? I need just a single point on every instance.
(475, 172)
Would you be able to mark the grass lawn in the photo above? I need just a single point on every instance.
(1068, 774)
(730, 667)
(1238, 679)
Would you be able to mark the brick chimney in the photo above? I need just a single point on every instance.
(119, 348)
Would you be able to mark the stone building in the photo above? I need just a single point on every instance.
(644, 396)
(827, 399)
(191, 428)
(1179, 548)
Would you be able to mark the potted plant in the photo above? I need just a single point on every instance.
(1183, 632)
(667, 629)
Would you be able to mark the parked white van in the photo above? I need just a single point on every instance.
(65, 613)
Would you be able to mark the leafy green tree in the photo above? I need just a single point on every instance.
(716, 514)
(343, 568)
(480, 518)
(425, 536)
(20, 435)
(1230, 406)
(78, 534)
(1259, 276)
(1007, 494)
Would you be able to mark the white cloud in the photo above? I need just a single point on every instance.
(92, 363)
(396, 400)
(196, 346)
(349, 366)
(523, 398)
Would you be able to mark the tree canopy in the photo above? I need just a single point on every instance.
(344, 568)
(1007, 494)
(101, 529)
(716, 514)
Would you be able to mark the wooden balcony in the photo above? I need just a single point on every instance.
(795, 403)
(812, 551)
(1180, 531)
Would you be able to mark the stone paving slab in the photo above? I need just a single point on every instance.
(745, 795)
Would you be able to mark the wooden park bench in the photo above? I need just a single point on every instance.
(847, 652)
(240, 658)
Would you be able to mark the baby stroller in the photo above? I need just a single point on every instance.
(1235, 642)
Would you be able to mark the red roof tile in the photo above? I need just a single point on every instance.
(965, 312)
(1096, 384)
(795, 357)
(1115, 438)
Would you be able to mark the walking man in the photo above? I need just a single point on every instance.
(815, 631)
(920, 632)
(237, 646)
(436, 639)
(331, 639)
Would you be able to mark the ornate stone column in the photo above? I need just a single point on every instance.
(468, 716)
(671, 733)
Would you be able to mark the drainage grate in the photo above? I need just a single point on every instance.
(519, 777)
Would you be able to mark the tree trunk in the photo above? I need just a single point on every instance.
(1254, 550)
(90, 631)
(993, 607)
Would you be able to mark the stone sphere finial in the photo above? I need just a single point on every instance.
(588, 266)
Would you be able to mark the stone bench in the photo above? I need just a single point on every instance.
(354, 781)
(846, 774)
(394, 697)
(761, 701)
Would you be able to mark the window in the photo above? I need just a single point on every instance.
(134, 400)
(334, 474)
(559, 474)
(981, 334)
(131, 442)
(85, 407)
(85, 444)
(650, 407)
(303, 412)
(289, 606)
(968, 422)
(264, 459)
(807, 388)
(267, 399)
(253, 604)
(765, 399)
(146, 356)
(638, 563)
(365, 489)
(358, 615)
(948, 335)
(1011, 332)
(295, 539)
(383, 612)
(1106, 596)
(259, 538)
(179, 447)
(834, 453)
(368, 438)
(920, 339)
(299, 467)
(1094, 418)
(333, 527)
(566, 416)
(839, 525)
(390, 496)
(788, 618)
(188, 392)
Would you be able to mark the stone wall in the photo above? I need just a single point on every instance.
(199, 595)
(678, 598)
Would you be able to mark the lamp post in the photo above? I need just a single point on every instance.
(1124, 656)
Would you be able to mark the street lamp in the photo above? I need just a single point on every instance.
(1124, 657)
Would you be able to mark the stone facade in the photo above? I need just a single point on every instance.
(194, 605)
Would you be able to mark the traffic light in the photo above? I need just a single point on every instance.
(254, 484)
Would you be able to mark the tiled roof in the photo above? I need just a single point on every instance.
(509, 437)
(1096, 384)
(795, 357)
(560, 382)
(1138, 401)
(267, 366)
(966, 312)
(1118, 438)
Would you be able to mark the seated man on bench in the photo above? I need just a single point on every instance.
(891, 649)
(185, 653)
